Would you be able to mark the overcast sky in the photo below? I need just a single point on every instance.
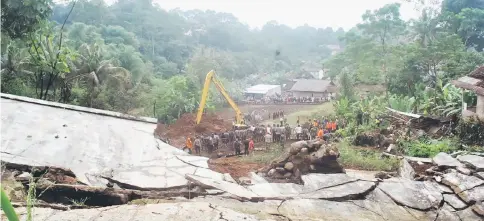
(317, 13)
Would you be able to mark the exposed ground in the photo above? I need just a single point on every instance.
(220, 121)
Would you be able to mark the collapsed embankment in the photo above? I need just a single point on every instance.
(186, 126)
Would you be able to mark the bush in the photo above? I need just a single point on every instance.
(429, 148)
(471, 132)
(365, 159)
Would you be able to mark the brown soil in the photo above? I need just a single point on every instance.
(420, 168)
(186, 126)
(234, 166)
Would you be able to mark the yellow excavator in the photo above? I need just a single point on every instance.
(239, 117)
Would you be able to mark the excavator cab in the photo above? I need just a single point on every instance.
(239, 117)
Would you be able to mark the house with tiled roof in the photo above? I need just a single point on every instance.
(473, 82)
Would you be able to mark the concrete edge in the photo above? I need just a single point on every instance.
(79, 108)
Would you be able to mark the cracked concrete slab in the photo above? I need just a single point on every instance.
(460, 182)
(413, 194)
(318, 181)
(89, 141)
(165, 211)
(446, 161)
(232, 188)
(475, 194)
(473, 161)
(312, 209)
(454, 201)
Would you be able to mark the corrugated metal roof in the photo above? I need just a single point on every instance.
(311, 85)
(260, 88)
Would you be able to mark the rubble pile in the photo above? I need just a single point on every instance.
(460, 178)
(302, 157)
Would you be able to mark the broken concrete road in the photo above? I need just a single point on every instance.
(93, 144)
(99, 146)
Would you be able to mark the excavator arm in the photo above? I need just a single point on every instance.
(206, 86)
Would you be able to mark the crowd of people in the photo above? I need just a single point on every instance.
(289, 99)
(245, 139)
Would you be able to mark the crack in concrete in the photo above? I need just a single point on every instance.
(363, 207)
(189, 163)
(336, 185)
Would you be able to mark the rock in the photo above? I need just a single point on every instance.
(468, 215)
(438, 178)
(413, 194)
(406, 170)
(227, 177)
(475, 194)
(383, 175)
(464, 170)
(472, 161)
(280, 170)
(480, 175)
(418, 159)
(431, 170)
(444, 160)
(439, 187)
(244, 181)
(296, 147)
(271, 172)
(447, 213)
(454, 201)
(478, 207)
(460, 182)
(25, 176)
(297, 173)
(304, 151)
(228, 187)
(287, 175)
(289, 166)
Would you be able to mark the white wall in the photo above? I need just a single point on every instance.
(308, 94)
(480, 106)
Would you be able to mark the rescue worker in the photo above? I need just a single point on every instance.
(298, 130)
(209, 144)
(333, 126)
(198, 145)
(251, 145)
(237, 145)
(246, 146)
(320, 133)
(273, 132)
(216, 140)
(189, 145)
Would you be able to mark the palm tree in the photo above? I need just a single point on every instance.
(92, 70)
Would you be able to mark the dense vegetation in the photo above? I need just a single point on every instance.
(137, 58)
(415, 61)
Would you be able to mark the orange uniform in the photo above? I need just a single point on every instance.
(333, 126)
(189, 143)
(320, 133)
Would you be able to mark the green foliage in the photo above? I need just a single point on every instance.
(364, 159)
(471, 132)
(19, 18)
(7, 207)
(428, 147)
